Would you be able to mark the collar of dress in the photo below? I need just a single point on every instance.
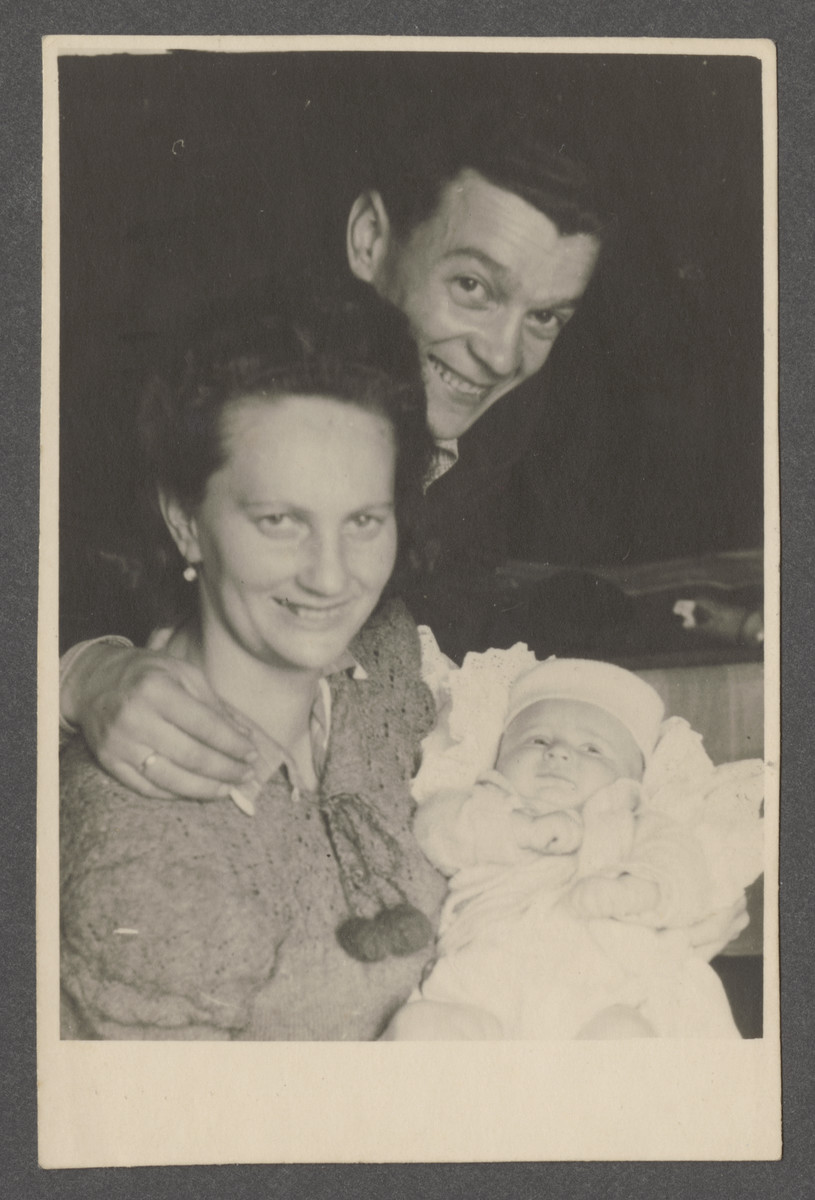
(272, 757)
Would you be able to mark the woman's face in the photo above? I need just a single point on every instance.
(296, 535)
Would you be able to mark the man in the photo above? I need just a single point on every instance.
(487, 241)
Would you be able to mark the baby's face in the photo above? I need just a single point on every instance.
(559, 752)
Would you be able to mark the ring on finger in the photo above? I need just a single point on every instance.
(147, 761)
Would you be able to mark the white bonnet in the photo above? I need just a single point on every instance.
(619, 692)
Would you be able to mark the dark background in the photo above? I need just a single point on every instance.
(186, 176)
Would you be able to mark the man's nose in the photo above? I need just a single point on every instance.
(497, 344)
(323, 568)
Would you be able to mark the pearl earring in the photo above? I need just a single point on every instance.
(190, 573)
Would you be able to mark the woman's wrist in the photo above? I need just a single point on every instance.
(76, 666)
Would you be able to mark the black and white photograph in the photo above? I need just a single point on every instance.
(409, 621)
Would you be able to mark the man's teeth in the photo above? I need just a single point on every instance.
(455, 381)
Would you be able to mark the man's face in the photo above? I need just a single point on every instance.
(487, 283)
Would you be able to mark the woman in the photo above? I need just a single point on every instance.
(287, 466)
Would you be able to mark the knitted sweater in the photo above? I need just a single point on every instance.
(194, 920)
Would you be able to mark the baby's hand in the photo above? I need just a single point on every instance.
(626, 896)
(551, 833)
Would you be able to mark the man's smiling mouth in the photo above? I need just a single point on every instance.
(456, 382)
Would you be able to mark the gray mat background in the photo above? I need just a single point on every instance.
(790, 26)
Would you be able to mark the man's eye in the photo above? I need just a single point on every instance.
(546, 322)
(467, 288)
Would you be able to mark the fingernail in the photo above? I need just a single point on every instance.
(248, 777)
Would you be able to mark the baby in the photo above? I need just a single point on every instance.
(571, 882)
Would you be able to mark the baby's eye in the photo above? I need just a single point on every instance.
(541, 741)
(592, 749)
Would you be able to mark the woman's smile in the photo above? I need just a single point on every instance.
(316, 614)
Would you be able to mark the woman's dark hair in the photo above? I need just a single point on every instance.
(351, 346)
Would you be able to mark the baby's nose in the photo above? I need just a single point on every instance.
(558, 750)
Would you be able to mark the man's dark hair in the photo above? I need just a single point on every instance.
(529, 152)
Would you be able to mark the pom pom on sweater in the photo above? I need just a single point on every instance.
(399, 930)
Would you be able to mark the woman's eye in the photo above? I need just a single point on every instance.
(277, 524)
(367, 524)
(469, 289)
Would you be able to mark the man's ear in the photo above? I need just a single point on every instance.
(368, 238)
(181, 525)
